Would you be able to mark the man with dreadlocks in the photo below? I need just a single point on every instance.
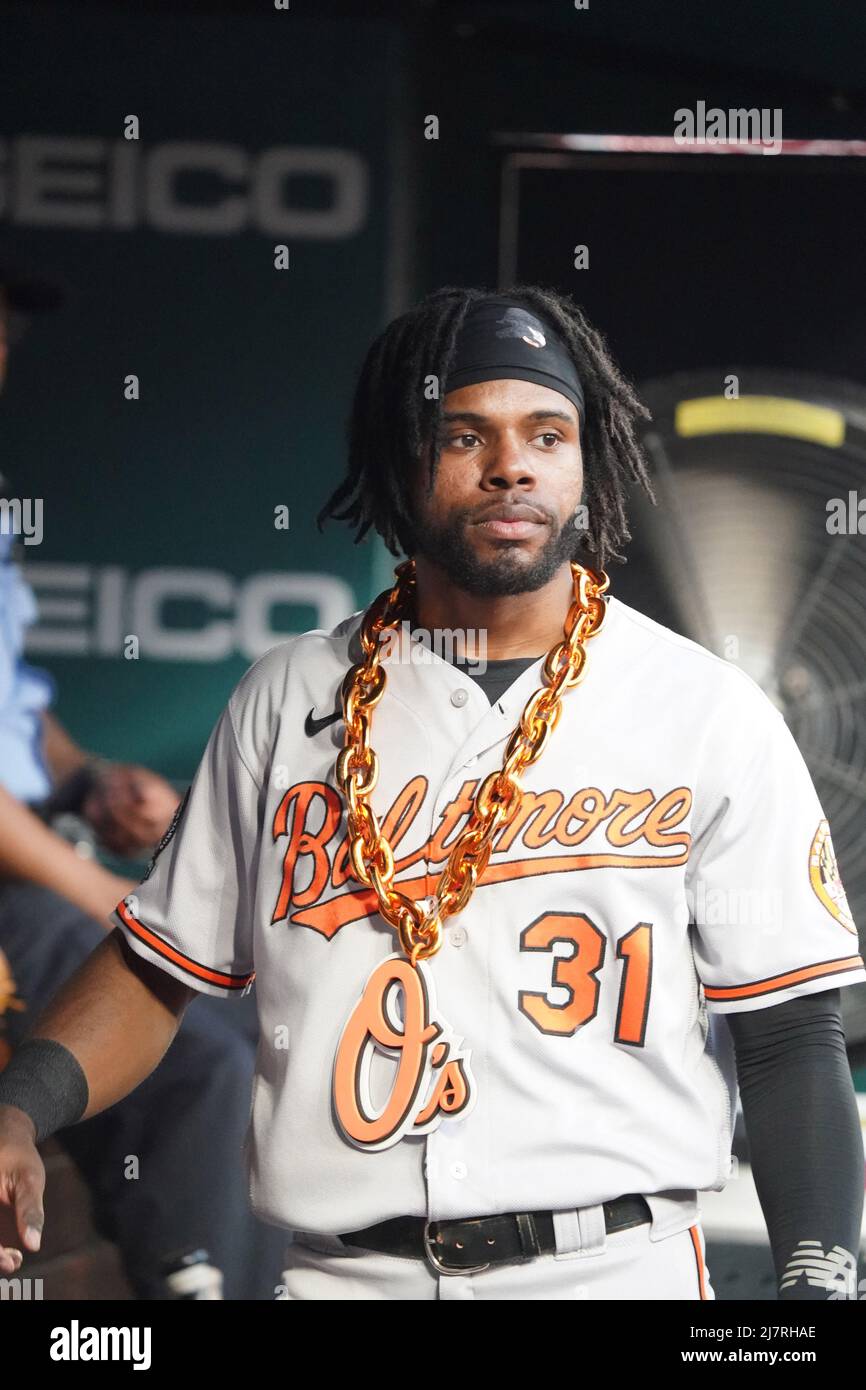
(491, 933)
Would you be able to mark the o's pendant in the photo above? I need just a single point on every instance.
(431, 1077)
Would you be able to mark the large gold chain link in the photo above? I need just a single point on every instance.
(419, 928)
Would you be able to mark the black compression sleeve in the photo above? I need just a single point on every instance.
(805, 1142)
(46, 1081)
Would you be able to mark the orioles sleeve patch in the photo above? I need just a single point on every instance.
(825, 879)
(173, 824)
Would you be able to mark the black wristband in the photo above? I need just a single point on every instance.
(46, 1081)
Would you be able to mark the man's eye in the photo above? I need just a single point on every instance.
(462, 437)
(549, 434)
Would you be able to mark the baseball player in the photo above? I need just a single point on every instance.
(493, 906)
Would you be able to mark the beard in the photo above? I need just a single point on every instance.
(509, 571)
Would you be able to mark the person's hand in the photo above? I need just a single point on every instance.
(129, 808)
(22, 1184)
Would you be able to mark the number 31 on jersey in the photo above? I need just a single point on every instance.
(431, 1078)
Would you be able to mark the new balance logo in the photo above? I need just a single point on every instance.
(835, 1271)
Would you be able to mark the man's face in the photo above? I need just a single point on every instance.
(507, 448)
(4, 335)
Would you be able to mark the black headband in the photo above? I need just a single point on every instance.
(500, 338)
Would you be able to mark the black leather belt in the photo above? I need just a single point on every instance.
(475, 1243)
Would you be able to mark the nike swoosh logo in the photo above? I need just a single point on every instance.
(313, 726)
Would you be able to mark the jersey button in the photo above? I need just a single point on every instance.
(459, 697)
(457, 936)
(458, 1171)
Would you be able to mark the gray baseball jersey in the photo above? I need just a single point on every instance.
(670, 859)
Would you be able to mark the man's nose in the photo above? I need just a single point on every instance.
(509, 464)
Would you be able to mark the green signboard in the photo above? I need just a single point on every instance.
(213, 196)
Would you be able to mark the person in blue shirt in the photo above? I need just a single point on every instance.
(187, 1123)
(25, 692)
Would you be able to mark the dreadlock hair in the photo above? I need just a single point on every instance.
(397, 409)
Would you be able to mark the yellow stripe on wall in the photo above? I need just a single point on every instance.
(819, 424)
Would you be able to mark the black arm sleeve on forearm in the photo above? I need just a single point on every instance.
(805, 1141)
(46, 1081)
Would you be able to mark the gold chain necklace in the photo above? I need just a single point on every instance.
(419, 928)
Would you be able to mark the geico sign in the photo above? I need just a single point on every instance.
(67, 181)
(85, 610)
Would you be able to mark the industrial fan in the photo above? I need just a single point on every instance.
(756, 551)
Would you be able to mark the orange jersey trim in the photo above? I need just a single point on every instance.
(699, 1260)
(192, 967)
(791, 977)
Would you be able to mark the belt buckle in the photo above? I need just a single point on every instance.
(433, 1259)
